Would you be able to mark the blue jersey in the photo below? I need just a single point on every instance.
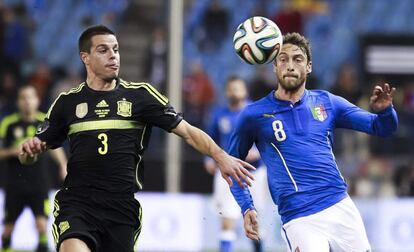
(222, 125)
(295, 143)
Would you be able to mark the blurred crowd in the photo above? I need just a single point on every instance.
(372, 166)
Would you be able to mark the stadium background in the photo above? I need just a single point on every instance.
(355, 43)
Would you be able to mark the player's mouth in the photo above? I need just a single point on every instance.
(112, 66)
(290, 76)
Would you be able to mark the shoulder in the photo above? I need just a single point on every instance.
(71, 92)
(259, 107)
(7, 121)
(321, 96)
(10, 118)
(145, 89)
(62, 96)
(320, 93)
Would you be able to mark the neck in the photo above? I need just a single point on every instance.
(99, 84)
(237, 106)
(290, 95)
(28, 116)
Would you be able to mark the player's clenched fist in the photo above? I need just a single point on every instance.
(30, 149)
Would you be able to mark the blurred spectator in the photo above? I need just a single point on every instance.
(375, 178)
(261, 84)
(214, 27)
(404, 180)
(2, 31)
(406, 118)
(288, 18)
(311, 6)
(408, 100)
(347, 84)
(15, 47)
(67, 81)
(8, 87)
(41, 79)
(156, 70)
(198, 94)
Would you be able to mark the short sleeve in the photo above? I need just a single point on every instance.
(158, 111)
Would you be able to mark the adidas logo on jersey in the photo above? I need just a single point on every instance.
(102, 104)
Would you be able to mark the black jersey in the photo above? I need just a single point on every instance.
(13, 132)
(108, 132)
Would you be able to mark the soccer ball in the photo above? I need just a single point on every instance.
(257, 40)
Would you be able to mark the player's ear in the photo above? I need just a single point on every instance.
(309, 67)
(274, 66)
(84, 57)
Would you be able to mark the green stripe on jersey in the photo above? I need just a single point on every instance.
(6, 123)
(151, 90)
(103, 125)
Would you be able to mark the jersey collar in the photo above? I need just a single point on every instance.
(283, 103)
(103, 91)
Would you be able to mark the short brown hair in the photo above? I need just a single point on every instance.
(296, 39)
(85, 39)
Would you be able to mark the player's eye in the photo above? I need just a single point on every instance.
(116, 50)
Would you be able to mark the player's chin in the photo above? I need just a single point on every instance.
(290, 85)
(111, 75)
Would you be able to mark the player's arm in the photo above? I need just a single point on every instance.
(59, 156)
(230, 167)
(50, 134)
(158, 112)
(383, 122)
(240, 144)
(9, 152)
(213, 131)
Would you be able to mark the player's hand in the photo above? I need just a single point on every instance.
(251, 226)
(32, 147)
(210, 166)
(381, 97)
(233, 167)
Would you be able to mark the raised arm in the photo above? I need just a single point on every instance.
(228, 165)
(383, 122)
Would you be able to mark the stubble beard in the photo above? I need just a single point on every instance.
(291, 85)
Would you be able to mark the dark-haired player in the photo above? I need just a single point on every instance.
(293, 129)
(108, 122)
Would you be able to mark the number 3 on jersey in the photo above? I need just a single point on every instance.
(104, 141)
(279, 132)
